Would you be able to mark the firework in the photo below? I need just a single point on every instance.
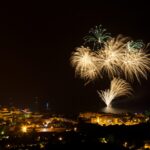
(110, 57)
(135, 65)
(120, 56)
(118, 87)
(85, 63)
(135, 46)
(97, 36)
(117, 57)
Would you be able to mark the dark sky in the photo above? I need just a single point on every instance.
(36, 41)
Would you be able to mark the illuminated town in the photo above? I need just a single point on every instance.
(21, 128)
(115, 119)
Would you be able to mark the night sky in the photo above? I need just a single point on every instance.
(36, 41)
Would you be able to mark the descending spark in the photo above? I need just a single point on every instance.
(135, 65)
(121, 56)
(118, 87)
(85, 63)
(111, 55)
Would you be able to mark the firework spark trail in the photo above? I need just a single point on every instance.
(85, 63)
(114, 59)
(118, 87)
(117, 58)
(111, 54)
(135, 65)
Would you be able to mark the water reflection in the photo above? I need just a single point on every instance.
(113, 110)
